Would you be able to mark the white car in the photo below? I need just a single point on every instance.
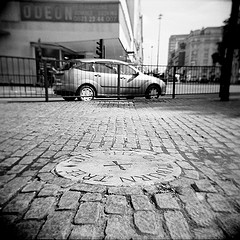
(86, 79)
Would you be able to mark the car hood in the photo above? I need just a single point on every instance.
(149, 78)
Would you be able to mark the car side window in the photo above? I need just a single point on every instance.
(106, 68)
(85, 66)
(127, 70)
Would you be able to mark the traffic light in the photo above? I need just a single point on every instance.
(100, 48)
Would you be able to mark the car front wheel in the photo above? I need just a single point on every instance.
(86, 93)
(153, 92)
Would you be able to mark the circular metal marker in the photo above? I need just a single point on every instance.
(119, 168)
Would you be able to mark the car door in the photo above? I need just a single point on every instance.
(130, 81)
(83, 73)
(107, 77)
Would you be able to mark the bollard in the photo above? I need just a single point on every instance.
(45, 81)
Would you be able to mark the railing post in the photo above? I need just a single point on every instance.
(45, 81)
(174, 82)
(118, 83)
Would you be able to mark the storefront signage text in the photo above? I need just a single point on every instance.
(70, 12)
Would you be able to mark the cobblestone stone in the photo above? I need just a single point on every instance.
(84, 232)
(141, 202)
(219, 203)
(69, 200)
(12, 188)
(57, 226)
(28, 229)
(125, 190)
(40, 208)
(197, 210)
(29, 173)
(185, 165)
(166, 200)
(116, 204)
(20, 203)
(119, 227)
(91, 197)
(63, 182)
(145, 222)
(177, 225)
(34, 186)
(83, 187)
(9, 162)
(229, 188)
(17, 169)
(46, 177)
(48, 167)
(27, 160)
(191, 174)
(49, 190)
(6, 178)
(88, 213)
(204, 185)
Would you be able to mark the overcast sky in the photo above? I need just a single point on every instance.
(179, 17)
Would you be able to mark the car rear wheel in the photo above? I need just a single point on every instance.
(153, 92)
(86, 93)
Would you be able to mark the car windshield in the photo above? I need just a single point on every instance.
(66, 65)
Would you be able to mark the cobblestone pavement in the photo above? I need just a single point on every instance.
(202, 203)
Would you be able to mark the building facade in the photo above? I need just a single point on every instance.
(196, 48)
(174, 47)
(201, 44)
(59, 29)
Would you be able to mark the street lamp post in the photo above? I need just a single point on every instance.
(159, 17)
(151, 54)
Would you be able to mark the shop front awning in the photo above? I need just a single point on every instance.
(113, 47)
(52, 46)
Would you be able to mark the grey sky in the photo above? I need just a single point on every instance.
(179, 17)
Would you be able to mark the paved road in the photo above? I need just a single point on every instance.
(202, 135)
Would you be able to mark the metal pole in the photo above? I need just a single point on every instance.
(174, 82)
(159, 17)
(118, 83)
(45, 81)
(151, 54)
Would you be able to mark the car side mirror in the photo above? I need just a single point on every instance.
(135, 74)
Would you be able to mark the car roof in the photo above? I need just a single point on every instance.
(99, 60)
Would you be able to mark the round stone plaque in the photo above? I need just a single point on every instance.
(119, 168)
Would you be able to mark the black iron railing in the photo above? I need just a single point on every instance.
(48, 78)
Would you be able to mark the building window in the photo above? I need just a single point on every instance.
(205, 62)
(194, 52)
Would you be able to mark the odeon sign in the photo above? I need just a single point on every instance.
(87, 12)
(114, 168)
